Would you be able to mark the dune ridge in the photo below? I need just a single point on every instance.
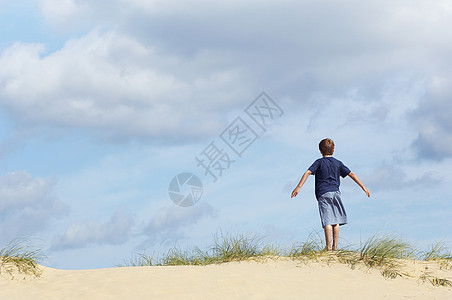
(269, 278)
(242, 267)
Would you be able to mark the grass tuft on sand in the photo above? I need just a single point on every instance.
(384, 252)
(20, 257)
(225, 248)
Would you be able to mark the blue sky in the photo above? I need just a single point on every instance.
(101, 105)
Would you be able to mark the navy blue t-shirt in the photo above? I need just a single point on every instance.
(327, 171)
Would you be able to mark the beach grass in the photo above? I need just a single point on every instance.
(225, 248)
(20, 257)
(380, 251)
(314, 244)
(438, 251)
(384, 252)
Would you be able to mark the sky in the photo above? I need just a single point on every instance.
(103, 105)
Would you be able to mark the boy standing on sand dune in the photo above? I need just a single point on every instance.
(327, 171)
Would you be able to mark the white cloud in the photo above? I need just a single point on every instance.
(433, 119)
(173, 217)
(172, 223)
(78, 235)
(28, 204)
(170, 69)
(114, 85)
(382, 179)
(59, 10)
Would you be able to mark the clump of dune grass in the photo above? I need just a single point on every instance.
(177, 257)
(438, 252)
(312, 248)
(384, 252)
(436, 281)
(20, 257)
(440, 281)
(379, 249)
(138, 260)
(225, 248)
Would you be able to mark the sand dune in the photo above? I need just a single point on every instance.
(280, 278)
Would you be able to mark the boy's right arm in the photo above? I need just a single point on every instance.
(300, 184)
(356, 179)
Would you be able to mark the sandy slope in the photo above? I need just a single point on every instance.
(273, 279)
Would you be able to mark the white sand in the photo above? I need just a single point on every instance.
(273, 279)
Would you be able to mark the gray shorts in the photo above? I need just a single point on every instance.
(331, 209)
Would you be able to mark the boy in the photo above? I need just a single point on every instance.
(327, 171)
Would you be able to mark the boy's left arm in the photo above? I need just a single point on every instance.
(356, 179)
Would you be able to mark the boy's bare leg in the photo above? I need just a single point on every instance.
(335, 236)
(328, 230)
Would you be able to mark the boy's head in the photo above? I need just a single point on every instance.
(326, 147)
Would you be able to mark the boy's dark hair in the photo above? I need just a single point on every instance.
(326, 147)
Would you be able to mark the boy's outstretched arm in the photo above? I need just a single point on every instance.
(356, 179)
(300, 184)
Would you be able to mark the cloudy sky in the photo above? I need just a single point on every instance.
(103, 104)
